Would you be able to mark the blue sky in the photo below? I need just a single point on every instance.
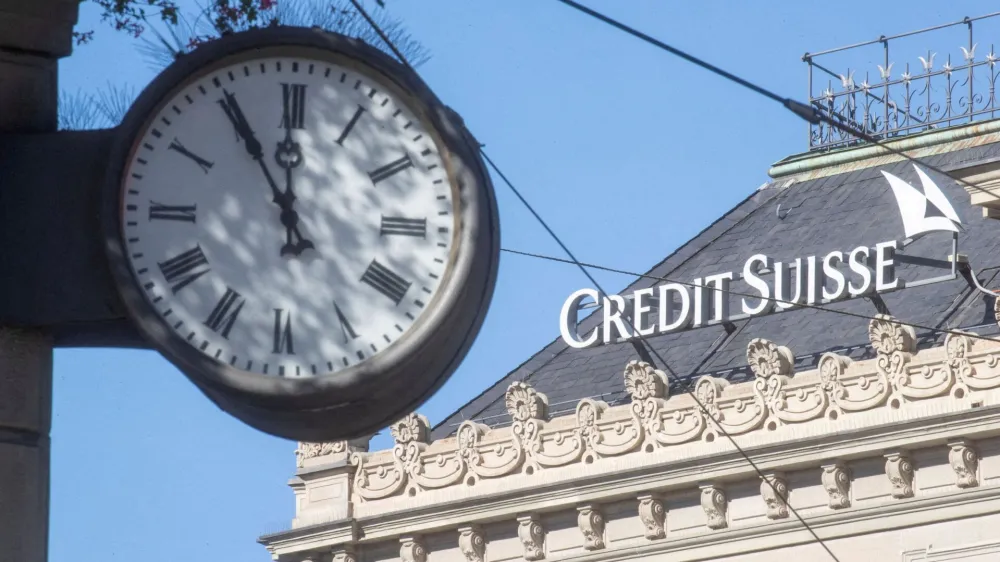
(626, 151)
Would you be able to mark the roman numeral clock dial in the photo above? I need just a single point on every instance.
(246, 164)
(293, 215)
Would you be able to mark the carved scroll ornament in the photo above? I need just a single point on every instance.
(532, 537)
(653, 515)
(714, 502)
(472, 543)
(837, 483)
(652, 421)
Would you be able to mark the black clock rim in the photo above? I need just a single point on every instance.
(427, 347)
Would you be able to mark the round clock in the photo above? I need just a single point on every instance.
(295, 221)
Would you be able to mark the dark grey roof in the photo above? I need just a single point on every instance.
(838, 212)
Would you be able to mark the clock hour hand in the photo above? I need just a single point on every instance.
(289, 218)
(288, 155)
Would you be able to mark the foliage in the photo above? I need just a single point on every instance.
(183, 31)
(106, 108)
(339, 16)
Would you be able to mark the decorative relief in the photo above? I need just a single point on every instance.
(786, 400)
(411, 549)
(652, 421)
(862, 392)
(996, 310)
(312, 450)
(972, 368)
(774, 490)
(837, 483)
(529, 531)
(964, 461)
(591, 524)
(713, 501)
(344, 553)
(653, 515)
(525, 403)
(472, 543)
(894, 344)
(899, 469)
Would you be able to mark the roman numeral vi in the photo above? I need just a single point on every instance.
(283, 332)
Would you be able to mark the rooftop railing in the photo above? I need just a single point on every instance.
(931, 91)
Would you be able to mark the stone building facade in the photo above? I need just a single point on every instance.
(873, 430)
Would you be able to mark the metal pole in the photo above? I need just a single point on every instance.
(33, 36)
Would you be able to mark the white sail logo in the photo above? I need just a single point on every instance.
(924, 212)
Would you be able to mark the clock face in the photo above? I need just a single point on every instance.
(288, 216)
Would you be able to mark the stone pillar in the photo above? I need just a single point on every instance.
(33, 36)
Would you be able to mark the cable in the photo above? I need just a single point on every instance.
(889, 319)
(806, 112)
(645, 344)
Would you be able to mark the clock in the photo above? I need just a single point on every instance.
(296, 222)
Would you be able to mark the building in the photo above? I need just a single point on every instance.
(874, 430)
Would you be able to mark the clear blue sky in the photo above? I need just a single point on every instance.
(626, 151)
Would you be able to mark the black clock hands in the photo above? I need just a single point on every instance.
(285, 200)
(288, 155)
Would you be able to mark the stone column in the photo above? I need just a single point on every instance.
(33, 36)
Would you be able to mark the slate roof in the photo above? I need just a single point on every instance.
(838, 212)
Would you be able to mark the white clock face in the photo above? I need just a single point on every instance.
(288, 216)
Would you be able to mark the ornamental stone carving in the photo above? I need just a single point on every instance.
(411, 549)
(713, 501)
(591, 524)
(767, 359)
(344, 554)
(964, 461)
(996, 310)
(472, 543)
(889, 336)
(893, 343)
(525, 403)
(642, 381)
(653, 515)
(774, 490)
(899, 469)
(413, 428)
(529, 531)
(837, 483)
(312, 450)
(964, 368)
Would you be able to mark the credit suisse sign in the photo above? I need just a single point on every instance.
(812, 280)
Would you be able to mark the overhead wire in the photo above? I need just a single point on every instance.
(775, 300)
(807, 112)
(648, 347)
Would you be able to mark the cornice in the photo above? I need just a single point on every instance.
(836, 525)
(720, 465)
(901, 399)
(812, 165)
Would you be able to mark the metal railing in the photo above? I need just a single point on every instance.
(915, 100)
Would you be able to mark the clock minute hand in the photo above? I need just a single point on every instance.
(250, 142)
(289, 218)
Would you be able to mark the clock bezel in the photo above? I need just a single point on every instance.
(423, 357)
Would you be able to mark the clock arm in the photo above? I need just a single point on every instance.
(288, 155)
(295, 243)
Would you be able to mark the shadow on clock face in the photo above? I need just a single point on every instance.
(318, 254)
